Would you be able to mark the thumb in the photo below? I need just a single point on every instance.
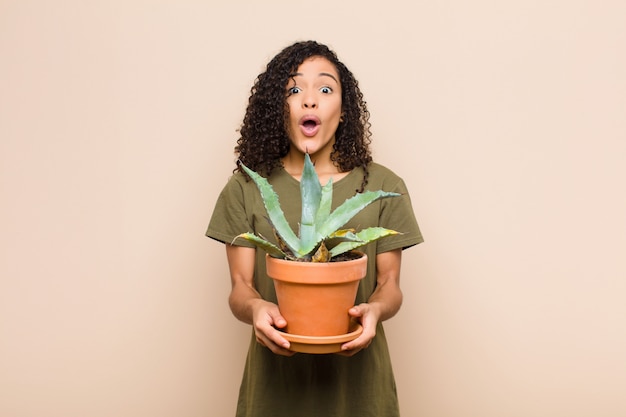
(355, 311)
(278, 320)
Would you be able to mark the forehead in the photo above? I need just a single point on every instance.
(317, 66)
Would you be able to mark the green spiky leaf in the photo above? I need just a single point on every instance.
(365, 236)
(311, 194)
(343, 235)
(268, 247)
(325, 203)
(275, 213)
(350, 208)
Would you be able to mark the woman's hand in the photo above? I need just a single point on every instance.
(383, 304)
(266, 318)
(366, 315)
(248, 305)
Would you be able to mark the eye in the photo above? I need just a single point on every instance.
(294, 90)
(326, 90)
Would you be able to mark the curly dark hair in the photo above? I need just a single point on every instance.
(264, 139)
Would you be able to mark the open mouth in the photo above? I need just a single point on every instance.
(309, 125)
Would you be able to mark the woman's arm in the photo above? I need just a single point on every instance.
(384, 302)
(247, 304)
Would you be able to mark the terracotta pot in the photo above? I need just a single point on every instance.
(315, 297)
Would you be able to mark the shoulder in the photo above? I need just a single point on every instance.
(236, 190)
(238, 178)
(239, 181)
(377, 169)
(241, 187)
(381, 177)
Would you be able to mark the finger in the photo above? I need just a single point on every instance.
(355, 312)
(279, 340)
(354, 344)
(352, 348)
(361, 342)
(359, 310)
(348, 353)
(260, 341)
(276, 319)
(279, 350)
(273, 340)
(279, 321)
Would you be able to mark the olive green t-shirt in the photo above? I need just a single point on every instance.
(317, 385)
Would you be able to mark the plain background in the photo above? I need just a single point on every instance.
(507, 120)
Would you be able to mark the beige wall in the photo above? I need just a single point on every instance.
(117, 122)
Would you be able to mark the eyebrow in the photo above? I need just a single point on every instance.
(321, 74)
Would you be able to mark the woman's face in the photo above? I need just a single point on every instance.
(314, 103)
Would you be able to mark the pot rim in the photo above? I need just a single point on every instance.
(316, 272)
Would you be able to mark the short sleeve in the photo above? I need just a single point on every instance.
(230, 218)
(397, 214)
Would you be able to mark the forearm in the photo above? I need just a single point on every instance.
(242, 301)
(387, 297)
(243, 296)
(386, 301)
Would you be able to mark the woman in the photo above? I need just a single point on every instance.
(307, 101)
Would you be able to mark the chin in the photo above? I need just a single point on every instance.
(312, 146)
(307, 147)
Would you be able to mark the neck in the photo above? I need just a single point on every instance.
(294, 162)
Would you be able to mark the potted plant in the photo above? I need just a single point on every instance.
(319, 264)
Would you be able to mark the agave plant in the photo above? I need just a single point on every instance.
(320, 236)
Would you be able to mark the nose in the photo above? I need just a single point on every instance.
(309, 101)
